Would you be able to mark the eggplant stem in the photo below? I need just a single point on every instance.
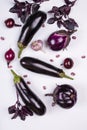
(20, 52)
(63, 75)
(16, 77)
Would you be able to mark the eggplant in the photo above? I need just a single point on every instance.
(31, 100)
(41, 67)
(31, 26)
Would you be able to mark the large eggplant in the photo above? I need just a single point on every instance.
(41, 67)
(31, 26)
(27, 95)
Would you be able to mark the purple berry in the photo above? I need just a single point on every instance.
(68, 63)
(10, 23)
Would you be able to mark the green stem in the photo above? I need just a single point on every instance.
(63, 75)
(17, 78)
(20, 52)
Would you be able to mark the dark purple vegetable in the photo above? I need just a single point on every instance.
(41, 67)
(68, 63)
(9, 56)
(29, 29)
(59, 40)
(31, 101)
(64, 95)
(11, 23)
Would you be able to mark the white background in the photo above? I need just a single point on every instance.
(56, 117)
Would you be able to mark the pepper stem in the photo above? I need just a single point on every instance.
(16, 77)
(63, 75)
(20, 52)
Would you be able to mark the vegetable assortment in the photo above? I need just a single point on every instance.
(64, 95)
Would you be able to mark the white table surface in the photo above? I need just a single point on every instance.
(56, 118)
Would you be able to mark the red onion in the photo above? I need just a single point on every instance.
(11, 23)
(9, 56)
(68, 63)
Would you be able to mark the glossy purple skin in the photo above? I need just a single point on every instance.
(58, 40)
(68, 63)
(9, 55)
(65, 96)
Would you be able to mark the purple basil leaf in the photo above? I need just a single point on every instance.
(23, 17)
(23, 9)
(68, 2)
(15, 115)
(12, 109)
(59, 23)
(55, 9)
(39, 1)
(21, 115)
(14, 9)
(25, 111)
(67, 10)
(64, 10)
(35, 8)
(70, 24)
(74, 22)
(51, 21)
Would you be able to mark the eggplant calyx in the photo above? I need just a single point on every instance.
(17, 78)
(63, 75)
(21, 47)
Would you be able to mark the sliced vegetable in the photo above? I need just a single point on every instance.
(64, 95)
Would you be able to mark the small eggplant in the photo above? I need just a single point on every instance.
(31, 26)
(59, 40)
(32, 102)
(41, 67)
